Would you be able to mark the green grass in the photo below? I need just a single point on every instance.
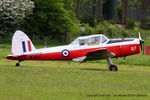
(56, 80)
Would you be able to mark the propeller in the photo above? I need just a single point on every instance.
(141, 43)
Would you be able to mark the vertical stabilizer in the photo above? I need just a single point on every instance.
(21, 43)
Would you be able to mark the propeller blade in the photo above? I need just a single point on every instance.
(141, 46)
(140, 36)
(141, 42)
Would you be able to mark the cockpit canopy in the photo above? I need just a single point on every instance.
(90, 40)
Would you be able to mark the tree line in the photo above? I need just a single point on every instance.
(58, 18)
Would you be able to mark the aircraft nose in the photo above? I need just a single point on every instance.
(141, 41)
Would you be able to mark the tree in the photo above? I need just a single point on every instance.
(78, 9)
(50, 19)
(124, 8)
(73, 5)
(143, 4)
(100, 9)
(77, 6)
(13, 12)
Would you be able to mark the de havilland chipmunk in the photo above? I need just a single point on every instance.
(85, 48)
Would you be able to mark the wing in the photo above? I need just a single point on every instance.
(97, 54)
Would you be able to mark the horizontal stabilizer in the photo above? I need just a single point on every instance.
(15, 57)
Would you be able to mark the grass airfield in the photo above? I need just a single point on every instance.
(56, 80)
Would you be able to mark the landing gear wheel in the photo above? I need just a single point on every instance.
(113, 68)
(17, 64)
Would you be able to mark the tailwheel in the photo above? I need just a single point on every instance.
(17, 64)
(113, 68)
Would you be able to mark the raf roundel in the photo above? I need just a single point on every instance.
(65, 53)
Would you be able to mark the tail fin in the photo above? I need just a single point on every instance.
(21, 43)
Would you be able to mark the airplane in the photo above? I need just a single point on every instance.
(82, 49)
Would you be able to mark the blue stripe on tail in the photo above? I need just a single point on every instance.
(24, 46)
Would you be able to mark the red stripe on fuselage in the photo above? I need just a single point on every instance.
(120, 51)
(29, 45)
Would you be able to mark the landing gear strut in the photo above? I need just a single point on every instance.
(18, 64)
(112, 67)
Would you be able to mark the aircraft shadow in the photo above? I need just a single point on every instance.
(93, 69)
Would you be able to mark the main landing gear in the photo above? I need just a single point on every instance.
(18, 64)
(112, 67)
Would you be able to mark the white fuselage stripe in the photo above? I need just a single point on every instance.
(77, 47)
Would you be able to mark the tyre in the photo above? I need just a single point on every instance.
(113, 68)
(17, 64)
